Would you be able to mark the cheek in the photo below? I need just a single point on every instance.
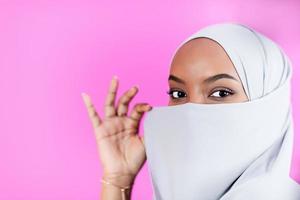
(244, 97)
(240, 96)
(173, 103)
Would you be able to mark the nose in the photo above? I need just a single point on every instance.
(197, 98)
(192, 97)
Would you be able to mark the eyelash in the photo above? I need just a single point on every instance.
(170, 92)
(227, 90)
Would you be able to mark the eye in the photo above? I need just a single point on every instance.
(222, 93)
(176, 94)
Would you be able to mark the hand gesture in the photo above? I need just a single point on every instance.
(120, 148)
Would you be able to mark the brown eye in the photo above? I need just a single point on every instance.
(222, 93)
(176, 94)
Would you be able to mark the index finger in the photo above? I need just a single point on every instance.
(93, 115)
(109, 106)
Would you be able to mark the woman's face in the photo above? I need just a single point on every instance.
(201, 72)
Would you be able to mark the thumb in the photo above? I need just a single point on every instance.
(142, 138)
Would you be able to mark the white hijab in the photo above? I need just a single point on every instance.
(236, 151)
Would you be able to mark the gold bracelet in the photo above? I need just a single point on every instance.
(123, 189)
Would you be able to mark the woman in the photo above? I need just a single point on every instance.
(226, 132)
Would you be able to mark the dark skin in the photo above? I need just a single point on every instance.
(201, 72)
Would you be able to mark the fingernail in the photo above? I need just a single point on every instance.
(84, 95)
(115, 77)
(134, 88)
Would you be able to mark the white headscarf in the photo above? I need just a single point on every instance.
(234, 151)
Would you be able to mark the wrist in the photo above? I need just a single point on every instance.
(122, 180)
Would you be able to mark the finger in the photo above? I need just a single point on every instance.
(109, 106)
(93, 115)
(125, 100)
(142, 138)
(139, 110)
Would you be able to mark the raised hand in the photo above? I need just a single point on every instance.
(120, 148)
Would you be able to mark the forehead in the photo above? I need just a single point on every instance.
(199, 58)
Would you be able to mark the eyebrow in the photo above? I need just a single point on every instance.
(208, 80)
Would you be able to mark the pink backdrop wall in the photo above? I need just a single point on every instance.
(51, 51)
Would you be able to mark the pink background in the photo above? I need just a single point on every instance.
(51, 51)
